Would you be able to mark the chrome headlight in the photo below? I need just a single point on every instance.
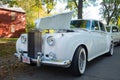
(23, 39)
(51, 41)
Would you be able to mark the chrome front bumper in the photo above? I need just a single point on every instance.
(40, 61)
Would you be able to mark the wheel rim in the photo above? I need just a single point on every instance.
(82, 61)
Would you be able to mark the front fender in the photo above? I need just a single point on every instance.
(19, 45)
(68, 46)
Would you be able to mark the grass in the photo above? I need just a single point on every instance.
(8, 40)
(7, 46)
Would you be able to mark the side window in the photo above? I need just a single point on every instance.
(102, 26)
(95, 25)
(88, 24)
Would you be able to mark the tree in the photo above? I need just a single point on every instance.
(80, 8)
(34, 9)
(10, 2)
(76, 5)
(111, 10)
(49, 4)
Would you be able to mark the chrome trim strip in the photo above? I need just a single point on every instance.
(65, 63)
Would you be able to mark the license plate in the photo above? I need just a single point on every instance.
(25, 59)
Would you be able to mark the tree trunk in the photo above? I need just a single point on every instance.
(108, 20)
(80, 5)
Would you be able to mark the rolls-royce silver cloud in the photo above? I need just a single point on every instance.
(72, 43)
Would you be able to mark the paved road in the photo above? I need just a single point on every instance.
(102, 68)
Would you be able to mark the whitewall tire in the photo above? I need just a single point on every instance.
(79, 61)
(111, 50)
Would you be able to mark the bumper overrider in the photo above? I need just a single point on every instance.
(23, 57)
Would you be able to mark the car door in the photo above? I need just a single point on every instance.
(97, 38)
(103, 42)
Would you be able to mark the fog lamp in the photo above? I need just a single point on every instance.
(52, 56)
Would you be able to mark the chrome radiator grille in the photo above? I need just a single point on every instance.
(34, 43)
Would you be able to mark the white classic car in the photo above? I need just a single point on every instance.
(72, 44)
(115, 33)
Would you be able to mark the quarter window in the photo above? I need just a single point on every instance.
(114, 29)
(102, 26)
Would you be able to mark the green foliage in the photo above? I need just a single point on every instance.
(7, 46)
(111, 10)
(10, 2)
(71, 5)
(27, 5)
(119, 22)
(8, 39)
(50, 4)
(77, 6)
(35, 10)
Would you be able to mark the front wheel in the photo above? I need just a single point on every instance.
(79, 61)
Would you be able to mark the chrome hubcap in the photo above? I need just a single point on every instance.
(82, 60)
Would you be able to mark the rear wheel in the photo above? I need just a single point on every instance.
(79, 61)
(110, 53)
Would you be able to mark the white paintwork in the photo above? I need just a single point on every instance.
(115, 35)
(97, 42)
(20, 46)
(58, 21)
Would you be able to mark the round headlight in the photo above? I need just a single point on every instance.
(51, 41)
(23, 39)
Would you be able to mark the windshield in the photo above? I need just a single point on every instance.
(80, 24)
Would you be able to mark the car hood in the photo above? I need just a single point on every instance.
(58, 21)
